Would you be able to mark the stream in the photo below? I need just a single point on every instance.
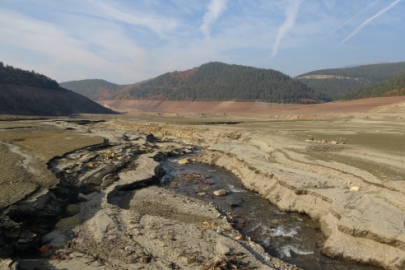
(294, 238)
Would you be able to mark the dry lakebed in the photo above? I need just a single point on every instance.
(151, 191)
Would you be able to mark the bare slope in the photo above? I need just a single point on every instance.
(248, 108)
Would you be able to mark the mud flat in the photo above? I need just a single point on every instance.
(101, 208)
(347, 173)
(107, 212)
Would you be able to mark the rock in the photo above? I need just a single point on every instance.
(56, 239)
(201, 194)
(333, 142)
(354, 188)
(222, 249)
(310, 139)
(100, 224)
(239, 237)
(72, 209)
(184, 161)
(221, 192)
(83, 198)
(237, 203)
(69, 221)
(151, 138)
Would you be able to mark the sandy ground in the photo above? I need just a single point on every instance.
(342, 165)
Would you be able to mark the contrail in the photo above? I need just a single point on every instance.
(381, 12)
(215, 8)
(291, 14)
(354, 17)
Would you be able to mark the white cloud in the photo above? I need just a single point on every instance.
(369, 20)
(291, 15)
(215, 9)
(116, 56)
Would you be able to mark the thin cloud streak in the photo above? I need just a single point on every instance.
(291, 15)
(158, 24)
(369, 20)
(215, 9)
(354, 17)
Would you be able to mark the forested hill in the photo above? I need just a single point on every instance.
(94, 89)
(222, 82)
(392, 87)
(29, 93)
(338, 82)
(16, 76)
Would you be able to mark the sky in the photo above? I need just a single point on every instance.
(127, 41)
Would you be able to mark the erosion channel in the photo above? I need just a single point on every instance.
(292, 237)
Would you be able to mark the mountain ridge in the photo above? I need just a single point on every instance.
(216, 81)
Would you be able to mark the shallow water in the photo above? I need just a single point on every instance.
(292, 237)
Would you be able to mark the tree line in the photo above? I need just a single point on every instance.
(17, 76)
(392, 87)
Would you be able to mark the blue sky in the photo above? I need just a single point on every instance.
(125, 41)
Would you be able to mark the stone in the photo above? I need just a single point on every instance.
(72, 209)
(220, 192)
(100, 224)
(69, 221)
(354, 188)
(56, 239)
(222, 249)
(83, 198)
(184, 161)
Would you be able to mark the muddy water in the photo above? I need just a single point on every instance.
(291, 237)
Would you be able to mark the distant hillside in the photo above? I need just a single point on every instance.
(222, 82)
(394, 86)
(338, 82)
(29, 93)
(94, 89)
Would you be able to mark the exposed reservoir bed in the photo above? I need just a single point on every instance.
(292, 237)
